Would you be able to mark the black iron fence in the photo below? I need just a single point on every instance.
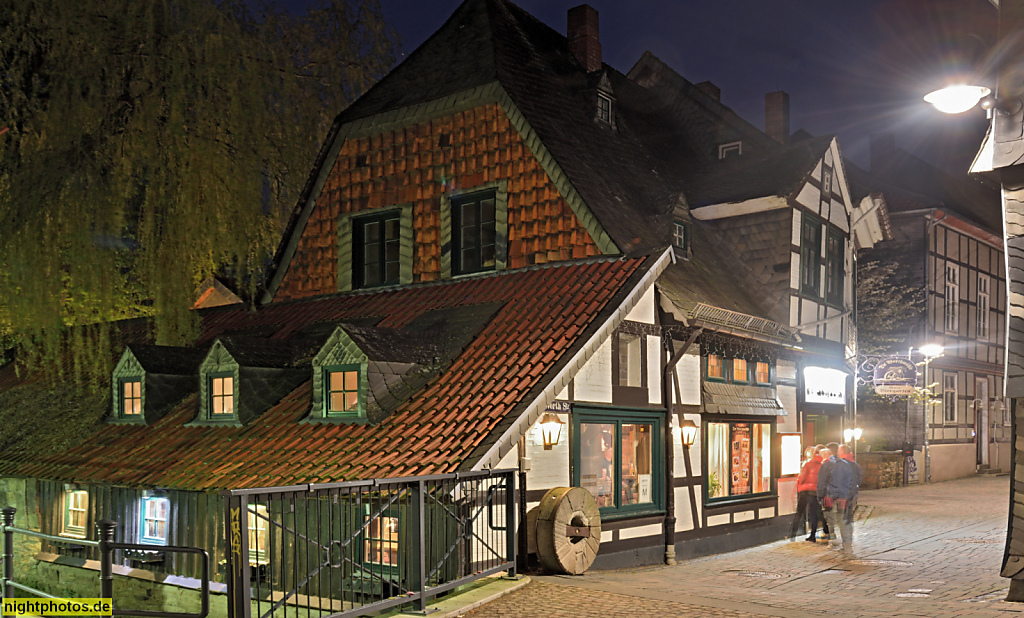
(347, 549)
(106, 545)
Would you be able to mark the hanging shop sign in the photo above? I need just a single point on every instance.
(895, 376)
(824, 385)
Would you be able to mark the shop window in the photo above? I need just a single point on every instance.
(131, 397)
(810, 256)
(949, 398)
(375, 256)
(341, 398)
(153, 527)
(380, 542)
(738, 459)
(76, 513)
(952, 298)
(619, 461)
(715, 367)
(630, 359)
(258, 527)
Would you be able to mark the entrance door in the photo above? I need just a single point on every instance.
(981, 428)
(815, 429)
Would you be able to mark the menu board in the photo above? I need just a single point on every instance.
(740, 459)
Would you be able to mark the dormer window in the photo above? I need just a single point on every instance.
(730, 150)
(605, 108)
(222, 396)
(342, 391)
(679, 237)
(131, 397)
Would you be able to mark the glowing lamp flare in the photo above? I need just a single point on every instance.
(956, 99)
(852, 435)
(931, 350)
(550, 430)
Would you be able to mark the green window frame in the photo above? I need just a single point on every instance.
(618, 458)
(474, 233)
(738, 456)
(154, 517)
(834, 279)
(76, 513)
(810, 256)
(376, 250)
(222, 395)
(343, 396)
(130, 397)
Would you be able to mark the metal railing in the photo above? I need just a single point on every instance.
(351, 548)
(106, 530)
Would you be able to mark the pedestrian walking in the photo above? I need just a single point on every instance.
(835, 483)
(846, 454)
(808, 510)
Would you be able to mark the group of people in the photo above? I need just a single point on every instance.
(827, 490)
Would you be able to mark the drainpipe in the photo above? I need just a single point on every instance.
(932, 221)
(666, 397)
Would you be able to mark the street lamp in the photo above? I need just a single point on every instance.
(957, 98)
(852, 435)
(930, 351)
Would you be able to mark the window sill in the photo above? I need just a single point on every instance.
(623, 515)
(714, 503)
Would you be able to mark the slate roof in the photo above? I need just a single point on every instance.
(536, 319)
(169, 360)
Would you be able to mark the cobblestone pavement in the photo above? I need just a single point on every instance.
(930, 550)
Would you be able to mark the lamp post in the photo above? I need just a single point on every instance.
(930, 351)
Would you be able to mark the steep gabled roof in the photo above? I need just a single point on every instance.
(531, 324)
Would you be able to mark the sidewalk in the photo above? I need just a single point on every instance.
(931, 550)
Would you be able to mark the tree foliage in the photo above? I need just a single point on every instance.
(147, 145)
(887, 306)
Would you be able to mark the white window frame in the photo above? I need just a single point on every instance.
(679, 235)
(983, 306)
(605, 108)
(949, 397)
(145, 516)
(76, 501)
(952, 298)
(731, 148)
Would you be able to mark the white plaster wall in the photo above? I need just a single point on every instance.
(654, 368)
(632, 533)
(684, 518)
(787, 495)
(644, 309)
(951, 461)
(548, 468)
(718, 520)
(767, 513)
(743, 516)
(809, 313)
(785, 370)
(794, 308)
(688, 377)
(809, 196)
(794, 277)
(594, 381)
(788, 423)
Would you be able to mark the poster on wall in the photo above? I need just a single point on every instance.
(740, 458)
(645, 488)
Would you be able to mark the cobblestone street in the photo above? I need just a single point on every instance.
(919, 551)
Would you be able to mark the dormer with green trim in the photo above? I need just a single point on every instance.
(240, 379)
(149, 380)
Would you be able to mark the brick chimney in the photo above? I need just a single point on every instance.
(776, 116)
(710, 89)
(584, 42)
(883, 146)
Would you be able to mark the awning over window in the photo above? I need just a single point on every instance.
(738, 399)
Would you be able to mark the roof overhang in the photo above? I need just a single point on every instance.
(720, 398)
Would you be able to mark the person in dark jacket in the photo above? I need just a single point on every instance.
(835, 484)
(808, 509)
(846, 454)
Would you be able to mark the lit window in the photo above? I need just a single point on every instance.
(222, 396)
(739, 370)
(952, 301)
(949, 398)
(473, 233)
(154, 521)
(258, 534)
(376, 241)
(76, 513)
(630, 360)
(983, 306)
(619, 461)
(604, 108)
(763, 373)
(342, 391)
(716, 367)
(381, 541)
(131, 397)
(739, 459)
(810, 256)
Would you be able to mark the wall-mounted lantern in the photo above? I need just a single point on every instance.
(688, 432)
(550, 430)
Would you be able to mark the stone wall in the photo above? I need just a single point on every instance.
(881, 469)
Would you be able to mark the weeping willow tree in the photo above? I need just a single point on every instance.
(147, 145)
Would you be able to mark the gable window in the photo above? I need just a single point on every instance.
(810, 256)
(739, 370)
(618, 459)
(605, 108)
(826, 183)
(762, 373)
(376, 241)
(983, 306)
(222, 395)
(834, 267)
(380, 545)
(715, 367)
(342, 386)
(738, 459)
(949, 398)
(154, 520)
(131, 397)
(258, 534)
(473, 233)
(76, 513)
(630, 360)
(679, 240)
(952, 302)
(730, 150)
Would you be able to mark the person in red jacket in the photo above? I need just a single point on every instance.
(808, 509)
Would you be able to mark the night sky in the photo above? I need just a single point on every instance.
(851, 67)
